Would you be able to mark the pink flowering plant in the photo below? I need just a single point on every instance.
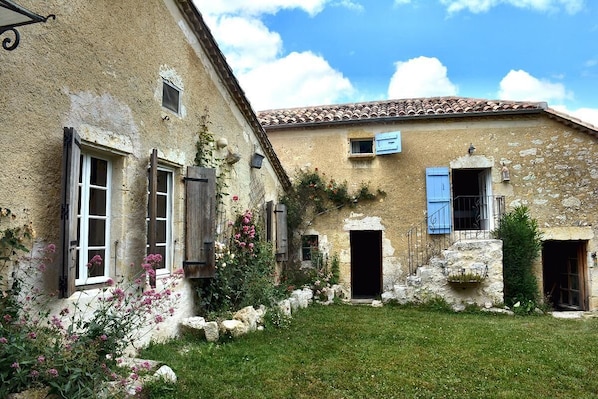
(245, 266)
(74, 351)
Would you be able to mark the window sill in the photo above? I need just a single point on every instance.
(359, 157)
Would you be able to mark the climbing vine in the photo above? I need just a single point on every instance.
(313, 194)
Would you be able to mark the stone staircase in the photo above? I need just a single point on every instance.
(469, 271)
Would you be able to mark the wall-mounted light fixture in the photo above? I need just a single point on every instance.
(504, 173)
(256, 160)
(471, 149)
(13, 15)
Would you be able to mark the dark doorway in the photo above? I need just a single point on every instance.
(366, 264)
(564, 271)
(471, 200)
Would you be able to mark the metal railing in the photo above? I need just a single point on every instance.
(470, 218)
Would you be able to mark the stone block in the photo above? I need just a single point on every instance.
(211, 331)
(249, 316)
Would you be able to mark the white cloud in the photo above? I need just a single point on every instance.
(589, 115)
(520, 85)
(257, 7)
(255, 46)
(295, 80)
(478, 6)
(420, 77)
(269, 78)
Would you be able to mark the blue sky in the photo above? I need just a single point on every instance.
(290, 53)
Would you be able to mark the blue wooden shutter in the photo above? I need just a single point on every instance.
(388, 143)
(438, 195)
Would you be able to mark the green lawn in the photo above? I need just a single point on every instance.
(344, 351)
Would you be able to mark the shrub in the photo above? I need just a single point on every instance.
(245, 267)
(522, 242)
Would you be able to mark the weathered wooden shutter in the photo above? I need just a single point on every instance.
(152, 208)
(438, 195)
(388, 143)
(71, 154)
(200, 187)
(282, 246)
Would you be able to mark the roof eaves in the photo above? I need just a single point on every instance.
(572, 121)
(408, 118)
(209, 45)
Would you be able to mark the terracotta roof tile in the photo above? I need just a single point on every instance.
(392, 109)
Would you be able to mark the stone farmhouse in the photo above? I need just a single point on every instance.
(102, 110)
(450, 167)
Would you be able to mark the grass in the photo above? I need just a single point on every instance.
(343, 351)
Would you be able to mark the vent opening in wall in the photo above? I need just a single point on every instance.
(171, 97)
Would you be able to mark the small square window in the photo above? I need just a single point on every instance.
(362, 146)
(171, 97)
(309, 244)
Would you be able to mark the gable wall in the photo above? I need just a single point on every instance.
(553, 168)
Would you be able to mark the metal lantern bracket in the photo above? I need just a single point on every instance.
(12, 16)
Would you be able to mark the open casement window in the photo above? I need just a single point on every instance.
(200, 229)
(71, 154)
(282, 243)
(388, 143)
(438, 195)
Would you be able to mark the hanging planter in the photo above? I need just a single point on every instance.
(467, 277)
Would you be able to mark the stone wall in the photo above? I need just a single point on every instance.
(481, 258)
(553, 169)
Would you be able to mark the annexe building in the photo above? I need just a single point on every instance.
(450, 167)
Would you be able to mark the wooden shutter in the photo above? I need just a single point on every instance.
(438, 195)
(71, 154)
(282, 246)
(152, 208)
(388, 143)
(200, 229)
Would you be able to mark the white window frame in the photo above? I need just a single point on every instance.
(168, 244)
(83, 217)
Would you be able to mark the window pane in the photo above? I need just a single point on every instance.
(97, 202)
(362, 146)
(161, 231)
(170, 97)
(162, 251)
(162, 181)
(99, 172)
(162, 201)
(96, 270)
(97, 232)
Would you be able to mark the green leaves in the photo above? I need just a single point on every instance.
(522, 242)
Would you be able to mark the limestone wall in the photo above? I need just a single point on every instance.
(553, 169)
